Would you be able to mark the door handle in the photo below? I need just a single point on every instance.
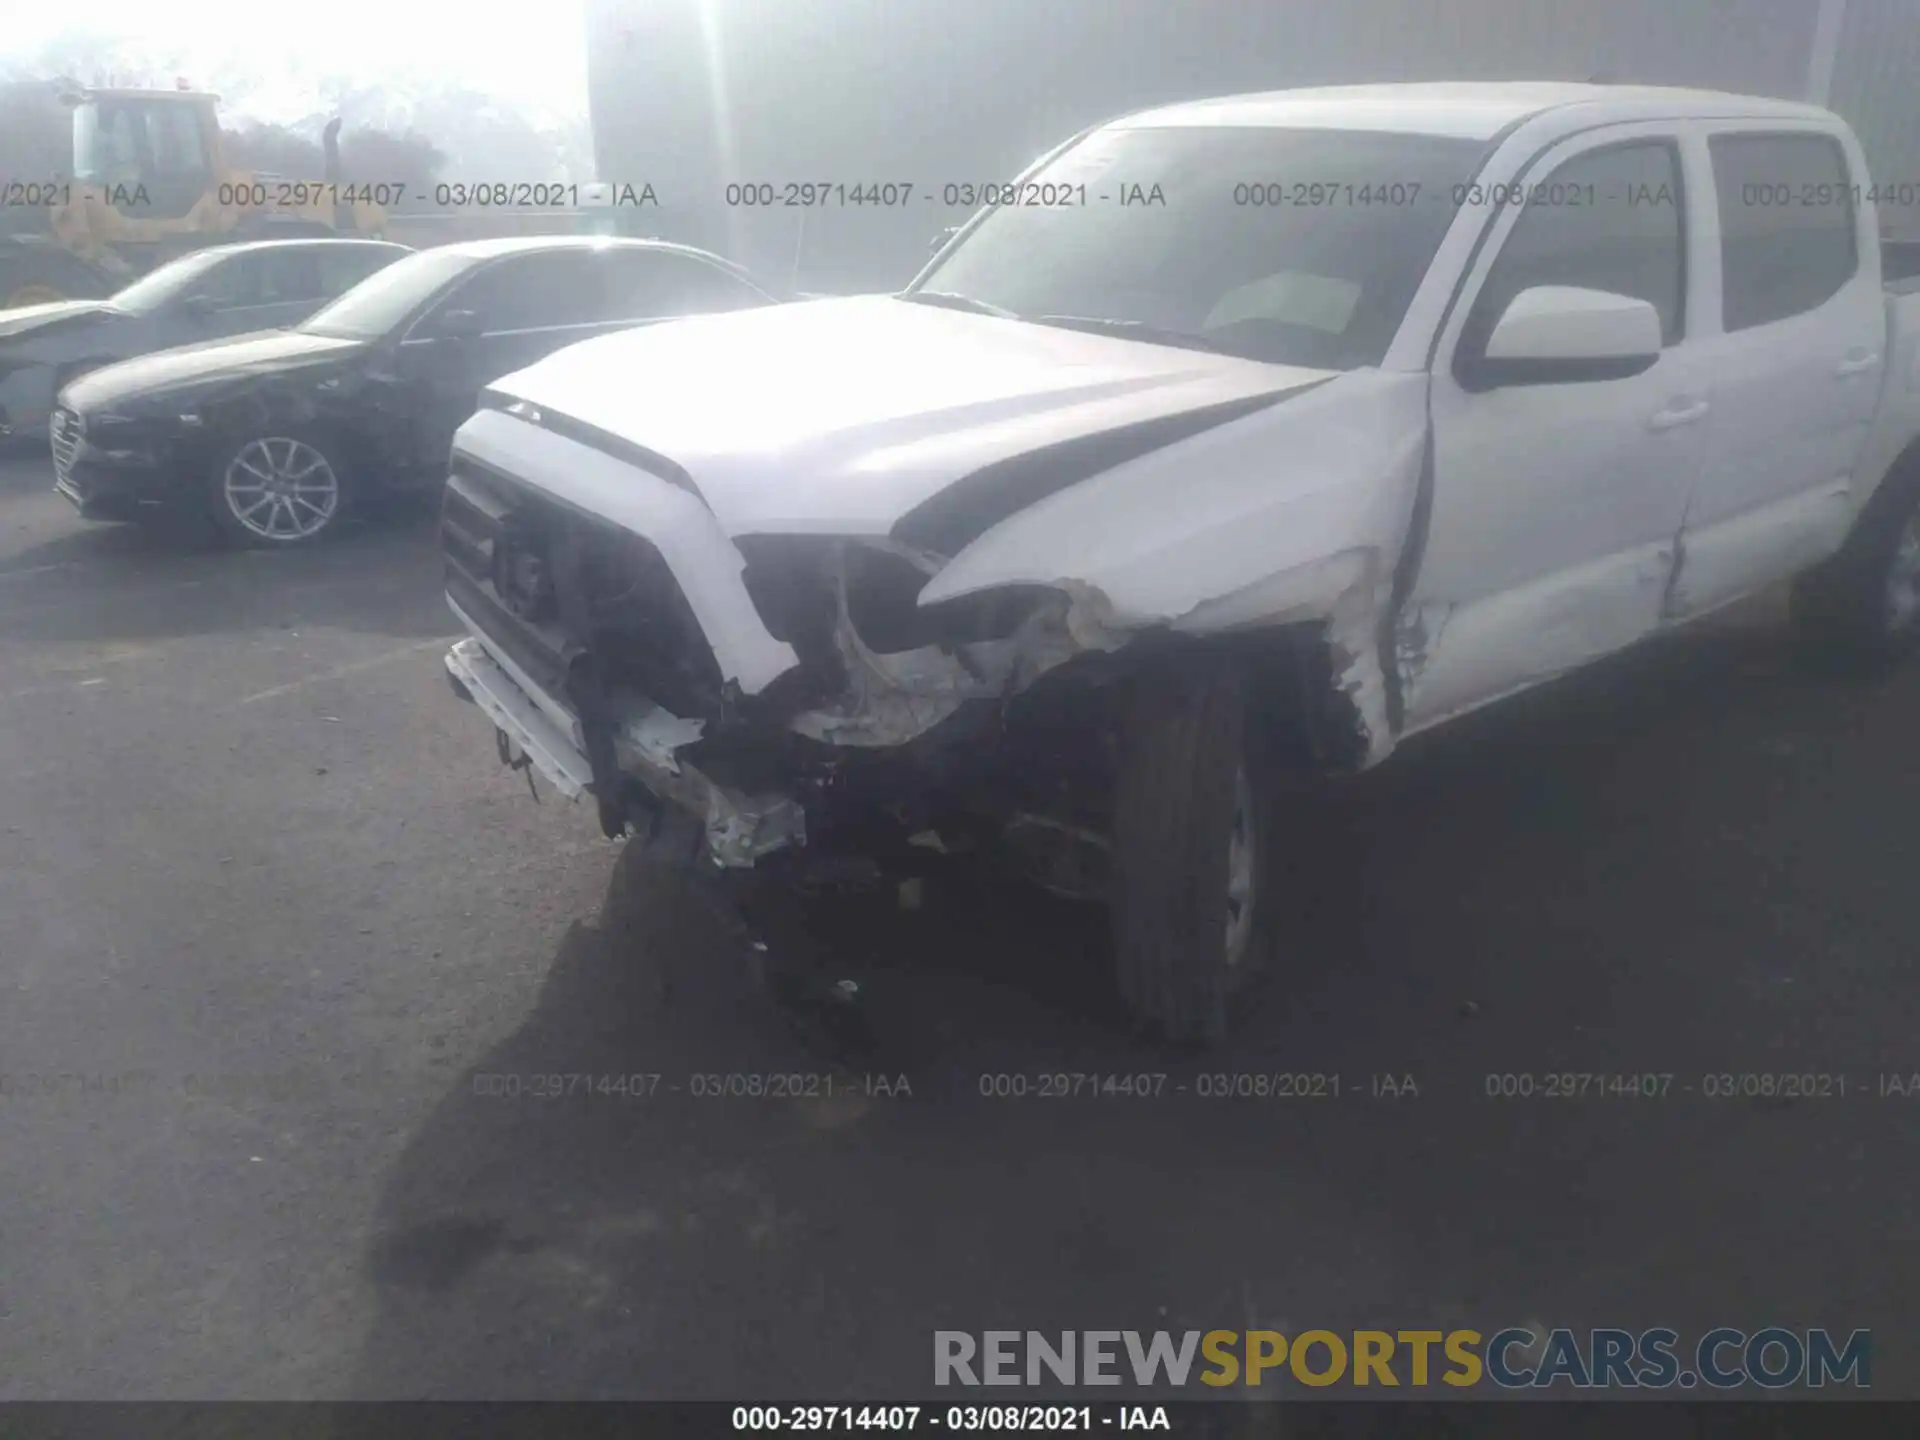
(1676, 415)
(1855, 365)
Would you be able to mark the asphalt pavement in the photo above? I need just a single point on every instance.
(278, 935)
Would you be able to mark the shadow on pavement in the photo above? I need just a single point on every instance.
(1659, 867)
(24, 463)
(121, 583)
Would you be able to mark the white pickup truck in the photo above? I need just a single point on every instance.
(1238, 438)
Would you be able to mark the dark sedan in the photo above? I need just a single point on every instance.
(278, 437)
(222, 290)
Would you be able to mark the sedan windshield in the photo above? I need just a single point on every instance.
(377, 305)
(161, 286)
(1299, 247)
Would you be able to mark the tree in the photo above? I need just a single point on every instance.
(386, 157)
(37, 131)
(402, 127)
(367, 157)
(274, 150)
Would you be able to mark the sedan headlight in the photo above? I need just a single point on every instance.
(103, 427)
(118, 437)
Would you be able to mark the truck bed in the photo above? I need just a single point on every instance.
(1900, 266)
(1897, 421)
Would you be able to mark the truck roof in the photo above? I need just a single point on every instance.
(1470, 110)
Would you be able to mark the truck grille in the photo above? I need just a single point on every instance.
(500, 539)
(64, 431)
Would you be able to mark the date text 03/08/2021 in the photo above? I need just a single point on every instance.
(995, 1085)
(703, 1085)
(904, 1419)
(1258, 193)
(964, 194)
(1581, 1086)
(470, 194)
(1208, 1085)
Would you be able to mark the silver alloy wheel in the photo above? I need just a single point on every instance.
(281, 490)
(1903, 578)
(1242, 866)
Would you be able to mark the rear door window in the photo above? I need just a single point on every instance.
(284, 276)
(535, 292)
(1787, 242)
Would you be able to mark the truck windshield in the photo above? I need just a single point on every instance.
(383, 301)
(1298, 247)
(166, 283)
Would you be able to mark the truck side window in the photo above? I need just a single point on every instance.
(117, 156)
(173, 134)
(1786, 225)
(1606, 220)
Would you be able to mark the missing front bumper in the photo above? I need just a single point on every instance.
(738, 829)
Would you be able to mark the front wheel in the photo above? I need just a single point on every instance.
(278, 491)
(1192, 904)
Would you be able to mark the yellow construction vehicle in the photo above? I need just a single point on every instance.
(97, 186)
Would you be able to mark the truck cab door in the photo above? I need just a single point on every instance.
(1557, 494)
(1796, 333)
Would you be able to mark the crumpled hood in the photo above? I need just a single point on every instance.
(37, 319)
(842, 415)
(167, 373)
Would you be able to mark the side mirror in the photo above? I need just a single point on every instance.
(459, 325)
(940, 240)
(1558, 334)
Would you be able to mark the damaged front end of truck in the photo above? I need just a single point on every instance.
(894, 720)
(857, 693)
(1083, 657)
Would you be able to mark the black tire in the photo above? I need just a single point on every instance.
(263, 483)
(1186, 768)
(1860, 611)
